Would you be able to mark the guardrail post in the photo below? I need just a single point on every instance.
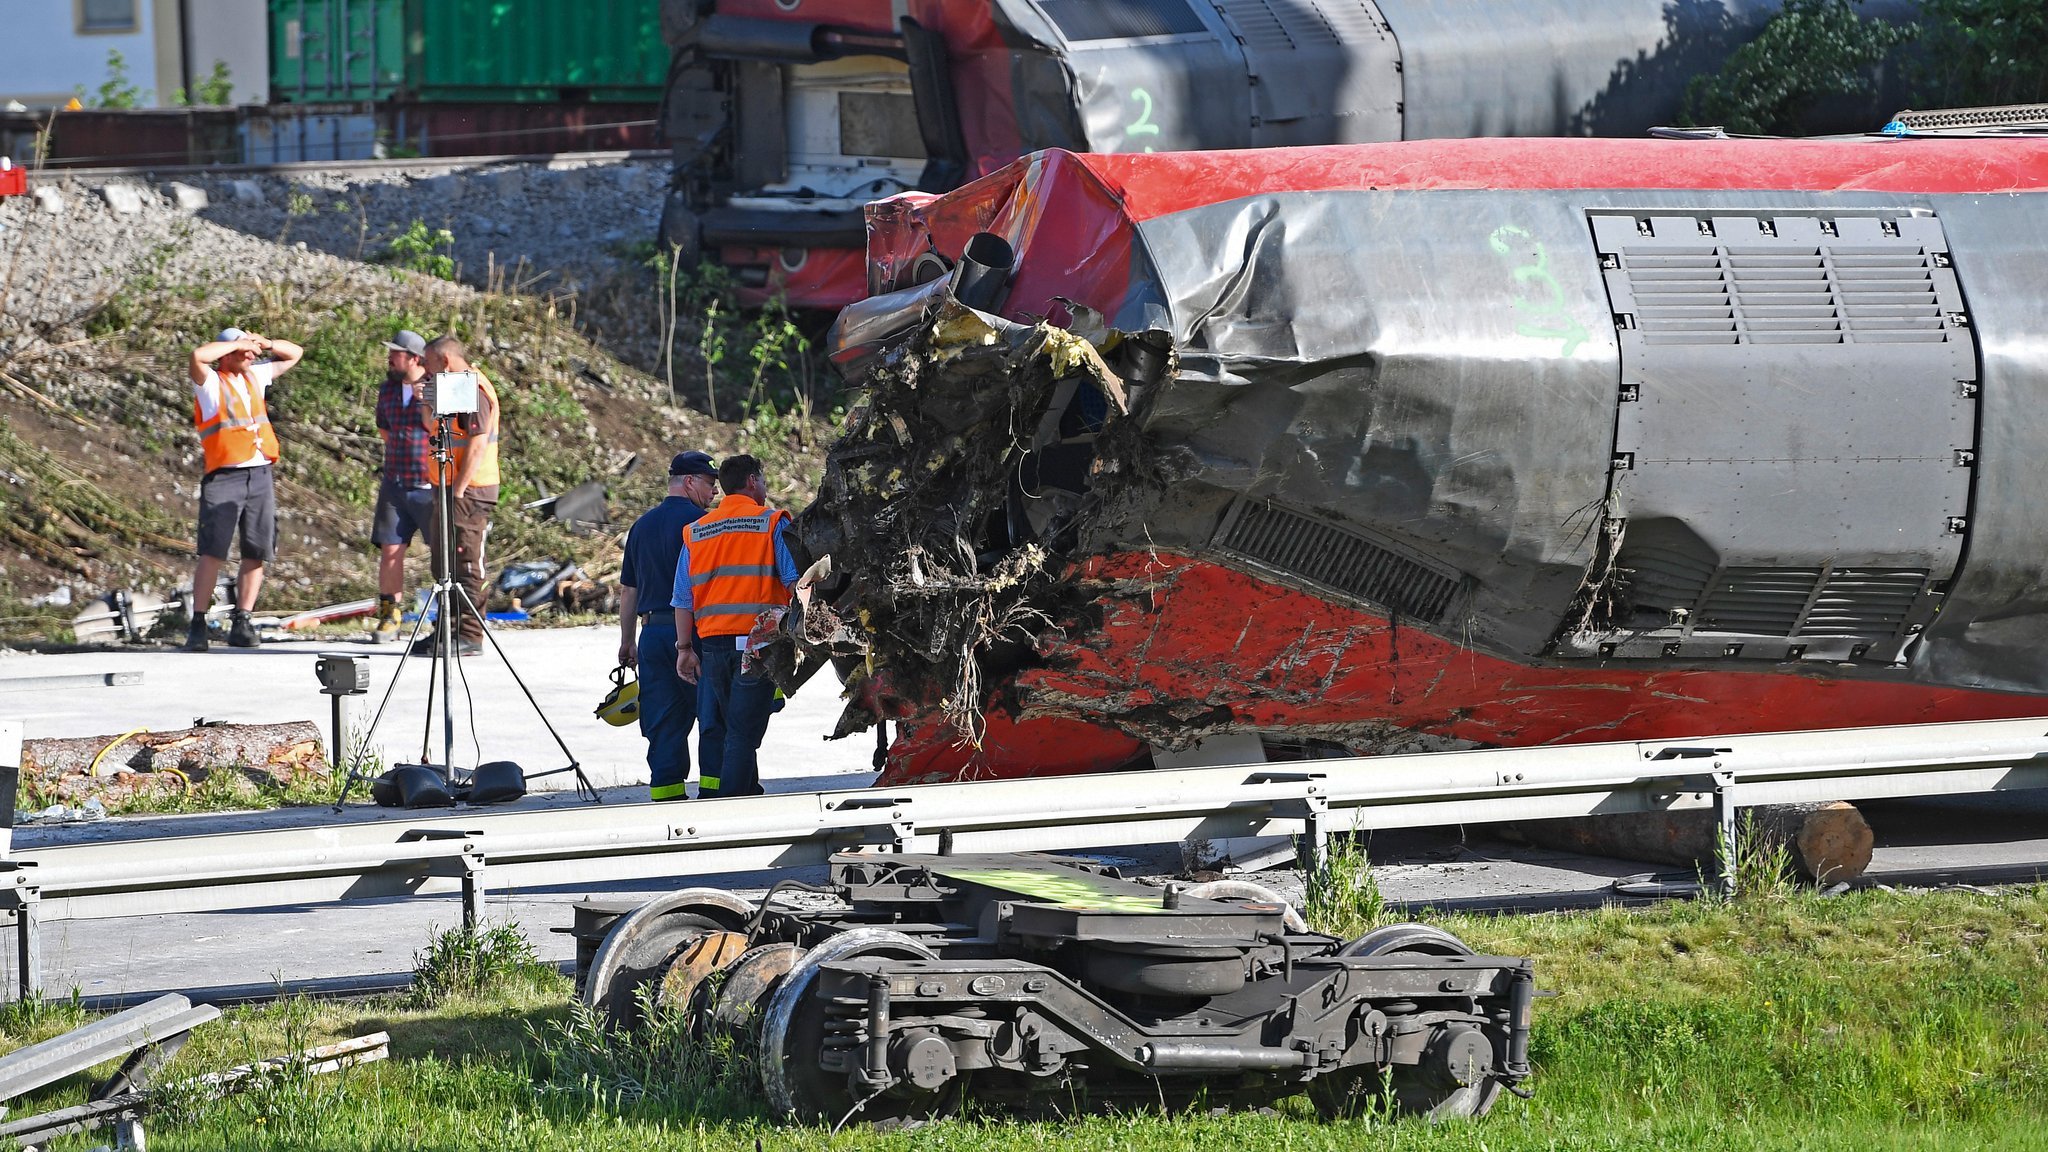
(23, 900)
(1315, 841)
(1724, 823)
(472, 890)
(1312, 808)
(467, 866)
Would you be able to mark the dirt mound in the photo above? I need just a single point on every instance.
(99, 463)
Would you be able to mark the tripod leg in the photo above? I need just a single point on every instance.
(584, 788)
(356, 761)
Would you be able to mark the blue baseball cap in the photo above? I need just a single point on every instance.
(692, 464)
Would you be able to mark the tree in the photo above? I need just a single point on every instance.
(1982, 52)
(1811, 50)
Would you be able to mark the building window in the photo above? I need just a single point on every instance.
(109, 16)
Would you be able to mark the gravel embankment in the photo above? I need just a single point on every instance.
(75, 240)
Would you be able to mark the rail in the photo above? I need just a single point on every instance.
(468, 852)
(83, 175)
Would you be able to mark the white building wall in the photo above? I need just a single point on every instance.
(44, 57)
(236, 32)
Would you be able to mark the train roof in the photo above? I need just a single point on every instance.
(1157, 184)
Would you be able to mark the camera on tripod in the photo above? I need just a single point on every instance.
(455, 394)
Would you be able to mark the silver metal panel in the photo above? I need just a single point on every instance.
(1434, 368)
(1564, 68)
(1207, 74)
(1993, 631)
(1322, 71)
(1795, 431)
(1569, 67)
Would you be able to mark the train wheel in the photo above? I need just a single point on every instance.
(1455, 1079)
(729, 1005)
(793, 1033)
(1406, 940)
(645, 943)
(693, 964)
(1246, 892)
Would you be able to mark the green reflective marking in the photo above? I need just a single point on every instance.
(1076, 892)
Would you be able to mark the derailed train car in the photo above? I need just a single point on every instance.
(787, 115)
(1512, 442)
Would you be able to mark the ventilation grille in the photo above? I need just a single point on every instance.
(1080, 20)
(1731, 294)
(1353, 21)
(1285, 25)
(1340, 560)
(1864, 602)
(1757, 601)
(1664, 578)
(1857, 603)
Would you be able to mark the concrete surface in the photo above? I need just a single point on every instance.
(566, 668)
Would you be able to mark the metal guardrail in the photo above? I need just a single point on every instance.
(467, 851)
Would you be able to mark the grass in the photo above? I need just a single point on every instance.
(1866, 1021)
(466, 963)
(225, 789)
(1344, 898)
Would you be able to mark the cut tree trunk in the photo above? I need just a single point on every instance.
(63, 769)
(1828, 842)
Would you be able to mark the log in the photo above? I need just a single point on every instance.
(1828, 842)
(63, 769)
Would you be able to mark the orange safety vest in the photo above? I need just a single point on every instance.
(464, 439)
(240, 427)
(732, 566)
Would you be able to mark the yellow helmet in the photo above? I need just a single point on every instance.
(621, 705)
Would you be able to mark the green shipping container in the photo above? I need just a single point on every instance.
(336, 51)
(326, 51)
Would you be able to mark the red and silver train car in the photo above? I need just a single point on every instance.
(1505, 441)
(786, 116)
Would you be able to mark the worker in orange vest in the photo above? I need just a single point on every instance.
(736, 565)
(237, 496)
(471, 490)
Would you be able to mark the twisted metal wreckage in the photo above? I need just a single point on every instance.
(1504, 441)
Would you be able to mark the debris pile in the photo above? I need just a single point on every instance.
(980, 454)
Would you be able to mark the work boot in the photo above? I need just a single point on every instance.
(241, 633)
(388, 620)
(464, 646)
(196, 639)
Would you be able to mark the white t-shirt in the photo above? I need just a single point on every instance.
(208, 390)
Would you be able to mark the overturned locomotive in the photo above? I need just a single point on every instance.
(1505, 441)
(1050, 985)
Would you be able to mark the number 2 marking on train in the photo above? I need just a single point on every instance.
(1539, 297)
(1143, 125)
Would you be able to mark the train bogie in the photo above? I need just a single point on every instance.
(1040, 984)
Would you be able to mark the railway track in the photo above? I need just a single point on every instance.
(434, 164)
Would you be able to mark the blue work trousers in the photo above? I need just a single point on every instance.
(668, 708)
(734, 708)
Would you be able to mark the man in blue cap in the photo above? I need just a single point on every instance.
(654, 547)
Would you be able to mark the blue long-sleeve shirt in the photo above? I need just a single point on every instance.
(785, 569)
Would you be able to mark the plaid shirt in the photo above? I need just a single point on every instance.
(406, 441)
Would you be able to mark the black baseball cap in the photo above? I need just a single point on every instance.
(692, 464)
